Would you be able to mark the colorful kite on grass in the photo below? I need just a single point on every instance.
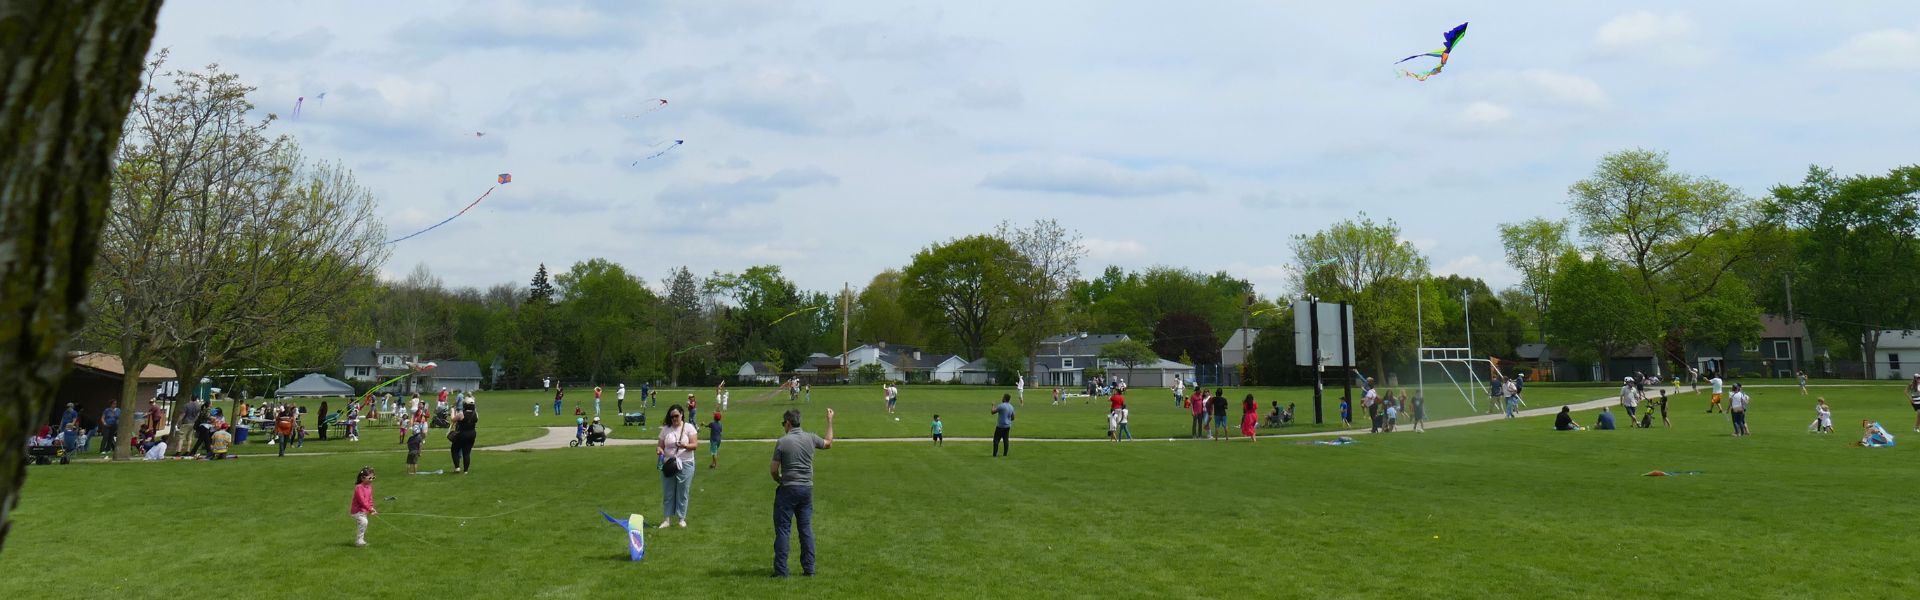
(504, 179)
(1453, 36)
(636, 528)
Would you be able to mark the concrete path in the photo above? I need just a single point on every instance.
(558, 437)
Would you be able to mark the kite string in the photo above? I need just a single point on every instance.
(377, 517)
(476, 201)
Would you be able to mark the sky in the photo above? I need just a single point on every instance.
(837, 139)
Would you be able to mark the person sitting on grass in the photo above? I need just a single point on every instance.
(1564, 420)
(1874, 436)
(1605, 420)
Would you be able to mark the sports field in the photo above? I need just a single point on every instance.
(1505, 509)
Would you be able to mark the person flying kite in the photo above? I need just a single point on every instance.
(1453, 37)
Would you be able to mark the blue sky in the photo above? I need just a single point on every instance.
(836, 139)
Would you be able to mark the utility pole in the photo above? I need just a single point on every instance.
(846, 312)
(1795, 350)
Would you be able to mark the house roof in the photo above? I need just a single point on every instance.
(357, 356)
(1079, 344)
(1776, 326)
(1159, 365)
(757, 366)
(1234, 343)
(929, 361)
(455, 369)
(1899, 338)
(977, 366)
(314, 384)
(110, 364)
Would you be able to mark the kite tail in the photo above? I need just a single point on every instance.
(476, 201)
(610, 519)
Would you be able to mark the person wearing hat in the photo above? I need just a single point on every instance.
(1629, 397)
(596, 433)
(222, 441)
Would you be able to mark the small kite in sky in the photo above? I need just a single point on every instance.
(320, 99)
(651, 105)
(504, 178)
(1453, 37)
(296, 106)
(668, 148)
(479, 134)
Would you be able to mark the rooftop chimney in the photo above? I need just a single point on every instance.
(376, 344)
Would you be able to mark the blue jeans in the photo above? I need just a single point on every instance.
(673, 492)
(1124, 434)
(792, 503)
(1513, 406)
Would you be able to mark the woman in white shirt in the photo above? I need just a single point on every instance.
(678, 440)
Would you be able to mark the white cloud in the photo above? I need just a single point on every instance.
(1104, 249)
(1670, 38)
(1484, 112)
(555, 26)
(994, 94)
(1088, 177)
(1565, 89)
(1885, 49)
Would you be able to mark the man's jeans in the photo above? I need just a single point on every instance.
(792, 503)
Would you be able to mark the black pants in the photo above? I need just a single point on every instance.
(109, 439)
(323, 428)
(1000, 440)
(792, 505)
(1199, 424)
(200, 442)
(463, 452)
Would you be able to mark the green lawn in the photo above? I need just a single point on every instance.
(1497, 510)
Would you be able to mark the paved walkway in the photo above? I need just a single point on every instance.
(558, 437)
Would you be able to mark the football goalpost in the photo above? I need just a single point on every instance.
(1447, 358)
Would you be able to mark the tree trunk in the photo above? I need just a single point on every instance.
(68, 71)
(1870, 355)
(133, 363)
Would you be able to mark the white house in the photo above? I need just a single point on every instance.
(1897, 355)
(369, 363)
(1233, 353)
(906, 363)
(754, 371)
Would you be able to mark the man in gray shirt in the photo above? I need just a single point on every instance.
(792, 470)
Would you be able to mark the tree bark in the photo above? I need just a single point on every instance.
(68, 73)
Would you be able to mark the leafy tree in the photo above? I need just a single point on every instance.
(605, 308)
(763, 314)
(1857, 240)
(1186, 334)
(963, 286)
(879, 315)
(1533, 248)
(1365, 263)
(1050, 263)
(680, 319)
(1134, 303)
(73, 67)
(1596, 312)
(869, 373)
(1678, 235)
(1128, 353)
(1270, 361)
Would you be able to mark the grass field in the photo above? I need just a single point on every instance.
(1506, 509)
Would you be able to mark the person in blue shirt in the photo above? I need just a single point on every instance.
(713, 442)
(1605, 420)
(109, 431)
(1003, 427)
(646, 393)
(938, 440)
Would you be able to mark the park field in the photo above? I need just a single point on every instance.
(1502, 509)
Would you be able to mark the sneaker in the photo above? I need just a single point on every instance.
(683, 522)
(663, 525)
(359, 544)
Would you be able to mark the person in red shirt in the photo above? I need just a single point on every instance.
(443, 395)
(1114, 401)
(1199, 405)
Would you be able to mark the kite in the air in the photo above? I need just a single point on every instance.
(296, 106)
(651, 105)
(668, 148)
(504, 179)
(1453, 37)
(807, 309)
(636, 528)
(320, 99)
(479, 134)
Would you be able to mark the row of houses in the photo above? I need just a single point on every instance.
(1064, 361)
